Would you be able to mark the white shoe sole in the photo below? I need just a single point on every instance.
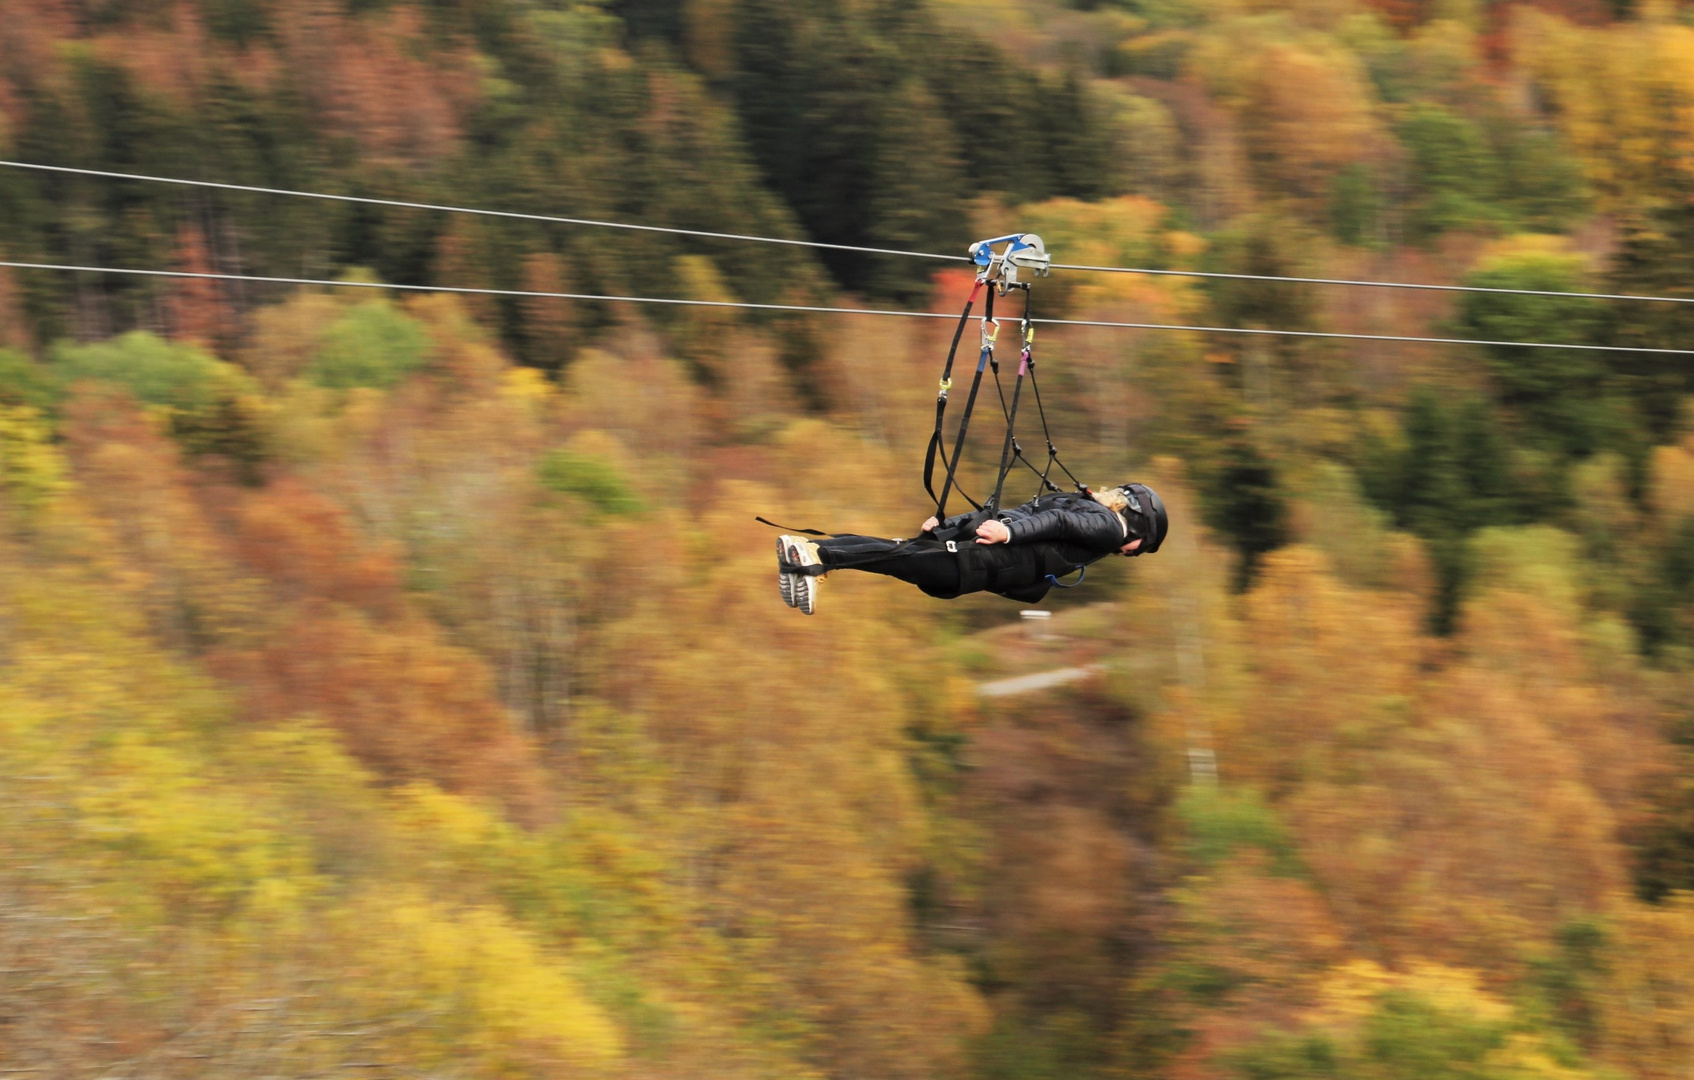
(806, 593)
(784, 581)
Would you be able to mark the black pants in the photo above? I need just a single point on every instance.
(1016, 571)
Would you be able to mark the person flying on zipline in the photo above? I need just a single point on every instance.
(1018, 553)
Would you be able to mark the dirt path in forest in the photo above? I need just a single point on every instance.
(1030, 656)
(1041, 680)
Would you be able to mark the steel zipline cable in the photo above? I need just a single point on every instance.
(1369, 284)
(820, 245)
(822, 310)
(365, 200)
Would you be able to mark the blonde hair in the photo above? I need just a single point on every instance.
(1111, 498)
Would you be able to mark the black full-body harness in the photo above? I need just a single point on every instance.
(999, 276)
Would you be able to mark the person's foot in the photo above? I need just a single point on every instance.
(798, 552)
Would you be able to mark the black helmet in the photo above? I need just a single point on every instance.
(1145, 516)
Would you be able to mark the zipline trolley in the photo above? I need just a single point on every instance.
(1022, 251)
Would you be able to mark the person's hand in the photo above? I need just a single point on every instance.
(993, 532)
(930, 525)
(1130, 547)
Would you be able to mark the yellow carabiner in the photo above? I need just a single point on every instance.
(989, 337)
(1028, 336)
(946, 385)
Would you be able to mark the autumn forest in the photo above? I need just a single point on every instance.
(394, 683)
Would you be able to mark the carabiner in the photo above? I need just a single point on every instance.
(989, 337)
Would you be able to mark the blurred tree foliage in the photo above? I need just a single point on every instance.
(1447, 477)
(1244, 503)
(394, 686)
(1559, 400)
(370, 345)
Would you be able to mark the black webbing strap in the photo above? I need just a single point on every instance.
(1006, 458)
(970, 407)
(936, 446)
(1043, 485)
(786, 529)
(1052, 451)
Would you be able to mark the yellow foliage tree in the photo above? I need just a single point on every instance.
(1647, 1000)
(1622, 96)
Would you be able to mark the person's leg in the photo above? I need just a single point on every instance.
(928, 565)
(838, 550)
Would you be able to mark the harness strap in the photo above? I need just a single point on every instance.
(967, 527)
(786, 529)
(936, 444)
(1052, 451)
(970, 406)
(1024, 368)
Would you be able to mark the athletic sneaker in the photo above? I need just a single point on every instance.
(784, 579)
(798, 551)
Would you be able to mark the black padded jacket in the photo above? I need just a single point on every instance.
(1064, 517)
(1070, 517)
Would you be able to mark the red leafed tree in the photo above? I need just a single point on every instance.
(195, 307)
(291, 603)
(14, 333)
(550, 324)
(347, 648)
(304, 544)
(409, 705)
